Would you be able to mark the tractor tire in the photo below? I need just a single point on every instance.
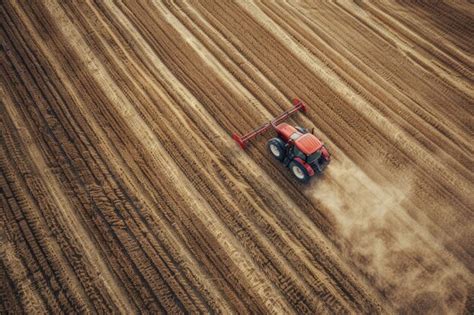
(299, 171)
(276, 146)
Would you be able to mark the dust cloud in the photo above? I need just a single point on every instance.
(410, 268)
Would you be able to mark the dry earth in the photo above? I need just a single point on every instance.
(122, 191)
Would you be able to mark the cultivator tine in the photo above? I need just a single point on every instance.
(238, 139)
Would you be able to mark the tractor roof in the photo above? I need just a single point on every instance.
(286, 130)
(308, 143)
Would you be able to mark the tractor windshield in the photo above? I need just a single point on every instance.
(313, 157)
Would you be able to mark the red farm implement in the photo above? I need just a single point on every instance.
(298, 149)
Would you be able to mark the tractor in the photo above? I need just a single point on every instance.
(297, 148)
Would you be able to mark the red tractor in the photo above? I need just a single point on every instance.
(299, 150)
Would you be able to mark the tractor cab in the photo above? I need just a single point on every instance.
(299, 150)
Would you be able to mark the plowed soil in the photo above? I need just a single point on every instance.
(121, 190)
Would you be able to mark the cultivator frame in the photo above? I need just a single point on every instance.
(242, 141)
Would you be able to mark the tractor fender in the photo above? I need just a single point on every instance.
(325, 153)
(306, 165)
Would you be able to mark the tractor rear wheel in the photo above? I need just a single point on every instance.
(276, 146)
(299, 171)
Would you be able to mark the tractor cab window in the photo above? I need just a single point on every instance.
(295, 135)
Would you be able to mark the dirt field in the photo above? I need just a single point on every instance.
(122, 191)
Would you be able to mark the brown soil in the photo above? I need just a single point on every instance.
(122, 191)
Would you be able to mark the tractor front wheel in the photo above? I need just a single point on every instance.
(276, 146)
(299, 171)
